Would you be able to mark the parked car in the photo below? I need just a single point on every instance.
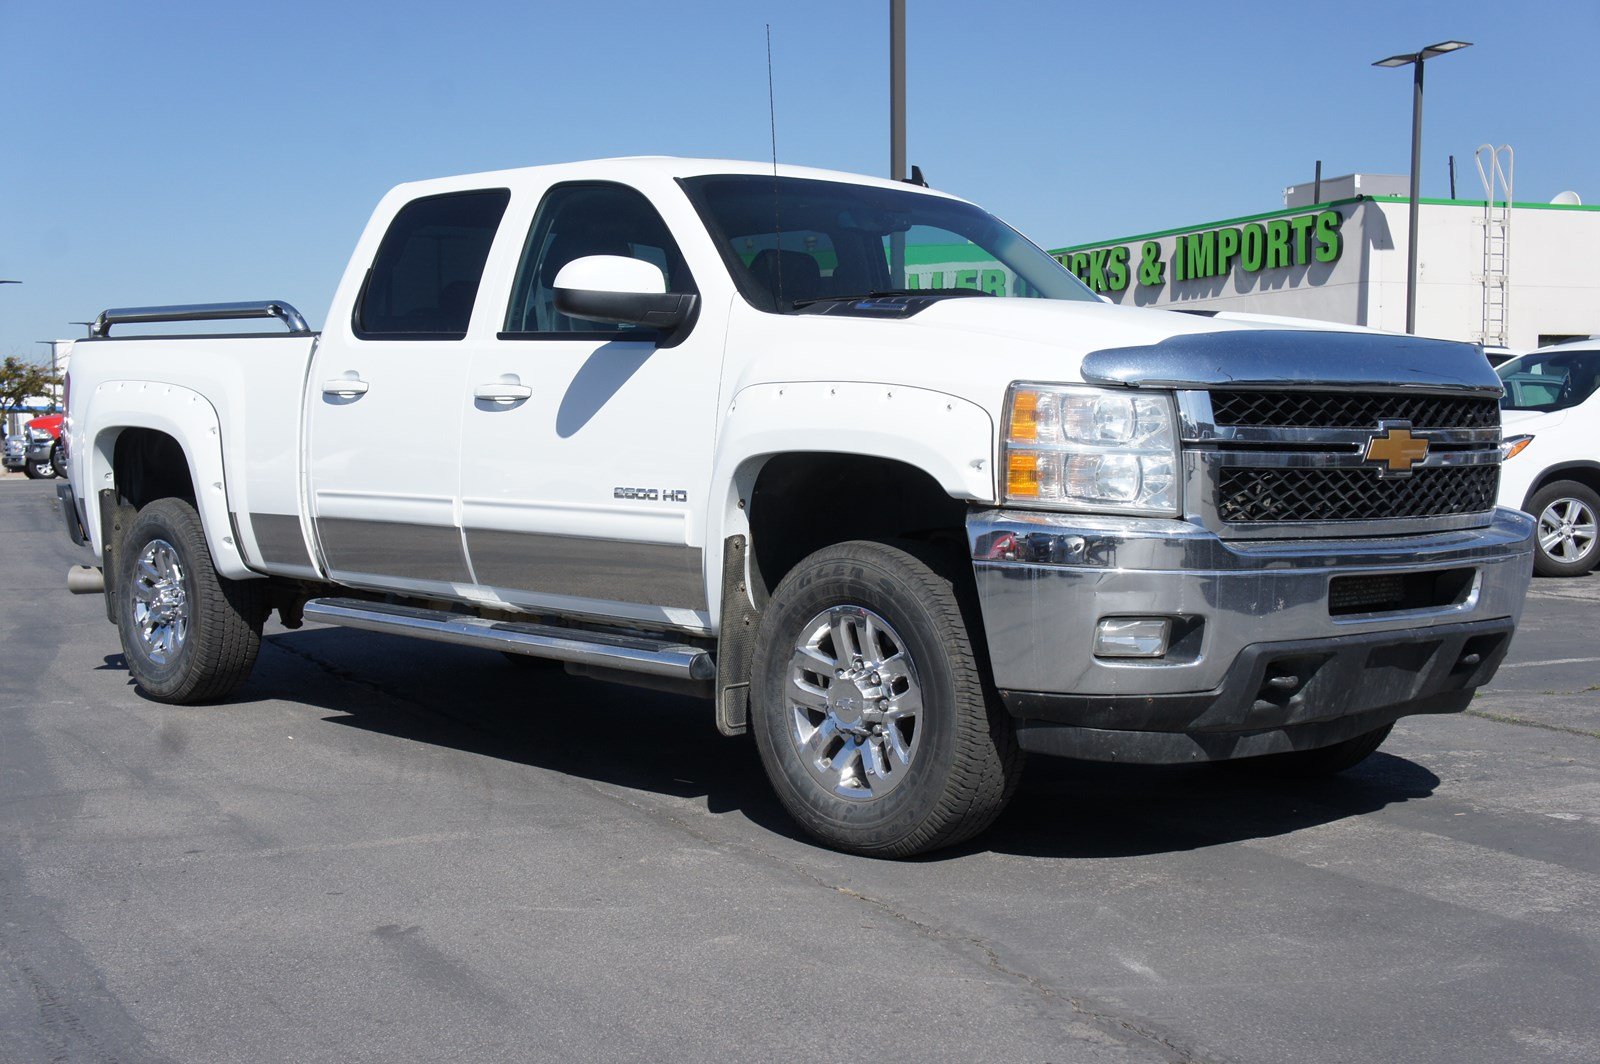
(1551, 423)
(852, 460)
(36, 450)
(16, 451)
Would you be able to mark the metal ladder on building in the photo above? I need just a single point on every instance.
(1495, 170)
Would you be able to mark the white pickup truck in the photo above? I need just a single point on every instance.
(851, 458)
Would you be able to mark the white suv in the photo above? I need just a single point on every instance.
(1551, 420)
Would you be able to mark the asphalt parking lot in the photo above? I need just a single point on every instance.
(384, 850)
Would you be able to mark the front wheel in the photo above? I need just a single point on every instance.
(1565, 541)
(188, 634)
(40, 470)
(58, 461)
(872, 718)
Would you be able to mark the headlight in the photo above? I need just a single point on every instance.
(1080, 448)
(38, 435)
(1512, 446)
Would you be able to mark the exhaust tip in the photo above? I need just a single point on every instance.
(86, 580)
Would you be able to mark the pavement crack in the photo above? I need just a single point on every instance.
(356, 679)
(1120, 1028)
(1506, 718)
(1131, 1033)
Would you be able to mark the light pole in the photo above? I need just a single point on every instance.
(897, 129)
(1416, 59)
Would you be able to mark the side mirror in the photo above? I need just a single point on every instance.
(613, 289)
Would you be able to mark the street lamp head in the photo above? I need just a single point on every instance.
(1407, 58)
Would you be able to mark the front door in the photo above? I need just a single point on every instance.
(586, 448)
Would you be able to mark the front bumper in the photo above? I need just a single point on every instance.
(1260, 659)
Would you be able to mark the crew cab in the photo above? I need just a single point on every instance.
(851, 458)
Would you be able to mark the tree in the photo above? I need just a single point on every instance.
(21, 381)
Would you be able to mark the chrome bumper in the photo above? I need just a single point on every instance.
(1240, 610)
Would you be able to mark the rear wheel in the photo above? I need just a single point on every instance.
(1566, 540)
(58, 461)
(873, 721)
(188, 634)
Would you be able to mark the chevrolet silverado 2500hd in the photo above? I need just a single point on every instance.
(853, 459)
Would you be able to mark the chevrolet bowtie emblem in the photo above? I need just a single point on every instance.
(1397, 449)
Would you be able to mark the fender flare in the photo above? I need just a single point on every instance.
(950, 438)
(190, 419)
(1553, 473)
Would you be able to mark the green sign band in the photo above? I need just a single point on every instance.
(1277, 244)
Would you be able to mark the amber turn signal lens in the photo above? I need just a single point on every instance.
(1024, 415)
(1513, 447)
(1022, 475)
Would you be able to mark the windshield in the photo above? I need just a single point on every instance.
(791, 243)
(1552, 381)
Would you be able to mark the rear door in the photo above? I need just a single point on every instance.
(384, 420)
(586, 446)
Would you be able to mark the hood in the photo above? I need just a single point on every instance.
(1073, 327)
(974, 348)
(1531, 421)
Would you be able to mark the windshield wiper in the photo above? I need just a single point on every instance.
(880, 292)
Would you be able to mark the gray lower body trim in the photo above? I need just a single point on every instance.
(386, 548)
(280, 540)
(612, 570)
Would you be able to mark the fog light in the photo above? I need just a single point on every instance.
(1132, 637)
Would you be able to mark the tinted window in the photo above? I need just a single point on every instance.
(578, 220)
(792, 241)
(425, 277)
(1553, 381)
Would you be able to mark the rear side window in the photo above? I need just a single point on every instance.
(425, 277)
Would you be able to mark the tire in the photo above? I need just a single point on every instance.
(1311, 764)
(39, 470)
(1565, 541)
(895, 616)
(58, 461)
(188, 634)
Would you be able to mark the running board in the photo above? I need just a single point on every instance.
(655, 657)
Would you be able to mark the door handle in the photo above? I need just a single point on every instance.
(345, 387)
(500, 392)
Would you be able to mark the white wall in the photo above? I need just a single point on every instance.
(1554, 270)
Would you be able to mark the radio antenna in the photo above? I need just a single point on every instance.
(777, 219)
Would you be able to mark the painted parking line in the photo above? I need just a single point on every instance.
(1554, 661)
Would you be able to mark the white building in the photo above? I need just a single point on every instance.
(1520, 278)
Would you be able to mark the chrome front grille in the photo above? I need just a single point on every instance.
(1275, 463)
(1324, 410)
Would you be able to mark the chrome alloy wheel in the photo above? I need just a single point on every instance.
(855, 703)
(1567, 530)
(160, 604)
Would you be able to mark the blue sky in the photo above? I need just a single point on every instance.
(164, 153)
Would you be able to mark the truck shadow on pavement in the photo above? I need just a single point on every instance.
(479, 703)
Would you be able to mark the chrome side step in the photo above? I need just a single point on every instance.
(655, 657)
